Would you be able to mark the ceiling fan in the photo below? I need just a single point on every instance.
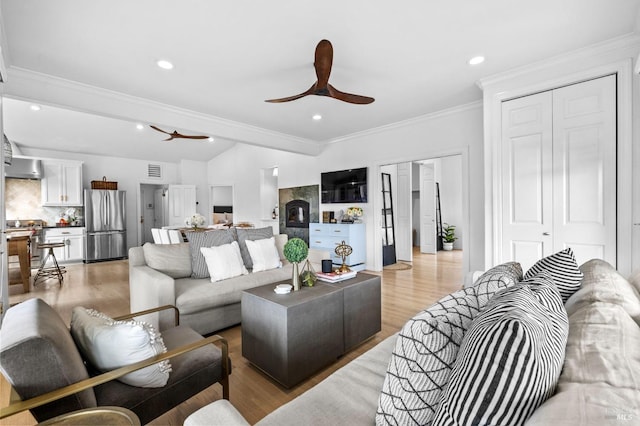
(176, 135)
(322, 64)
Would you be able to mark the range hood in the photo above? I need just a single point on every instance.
(24, 168)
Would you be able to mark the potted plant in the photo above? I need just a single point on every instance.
(448, 236)
(295, 251)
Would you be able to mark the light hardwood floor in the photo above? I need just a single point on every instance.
(104, 286)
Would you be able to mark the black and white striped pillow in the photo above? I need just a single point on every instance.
(427, 347)
(197, 240)
(563, 268)
(510, 359)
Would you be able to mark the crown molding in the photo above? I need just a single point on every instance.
(627, 41)
(43, 88)
(409, 122)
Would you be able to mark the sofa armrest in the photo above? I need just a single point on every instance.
(119, 372)
(149, 289)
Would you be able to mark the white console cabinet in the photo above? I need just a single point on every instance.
(73, 239)
(62, 183)
(327, 236)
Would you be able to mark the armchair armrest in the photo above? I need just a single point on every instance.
(176, 319)
(119, 372)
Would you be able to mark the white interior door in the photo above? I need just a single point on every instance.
(527, 138)
(427, 209)
(404, 250)
(584, 164)
(182, 203)
(559, 173)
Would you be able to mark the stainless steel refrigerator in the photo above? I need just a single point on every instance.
(105, 220)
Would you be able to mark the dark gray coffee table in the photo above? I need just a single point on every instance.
(291, 336)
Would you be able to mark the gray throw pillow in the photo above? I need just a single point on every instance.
(251, 234)
(171, 259)
(198, 240)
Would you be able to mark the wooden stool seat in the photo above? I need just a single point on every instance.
(45, 272)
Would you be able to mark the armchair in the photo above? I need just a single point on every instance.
(39, 358)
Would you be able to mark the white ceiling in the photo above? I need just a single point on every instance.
(83, 60)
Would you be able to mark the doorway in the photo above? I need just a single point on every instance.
(450, 172)
(152, 211)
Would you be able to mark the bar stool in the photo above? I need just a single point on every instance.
(55, 271)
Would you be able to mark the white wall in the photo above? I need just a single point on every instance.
(450, 132)
(449, 175)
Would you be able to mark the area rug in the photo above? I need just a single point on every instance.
(399, 266)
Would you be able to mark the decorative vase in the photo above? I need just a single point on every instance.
(295, 281)
(308, 275)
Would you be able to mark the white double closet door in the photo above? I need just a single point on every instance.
(559, 173)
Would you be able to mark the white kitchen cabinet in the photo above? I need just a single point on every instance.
(61, 183)
(73, 239)
(327, 236)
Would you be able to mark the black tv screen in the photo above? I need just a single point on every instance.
(344, 186)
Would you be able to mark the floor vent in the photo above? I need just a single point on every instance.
(154, 171)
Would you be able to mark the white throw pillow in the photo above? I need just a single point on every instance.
(224, 261)
(264, 254)
(108, 344)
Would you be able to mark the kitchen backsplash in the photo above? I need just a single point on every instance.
(23, 201)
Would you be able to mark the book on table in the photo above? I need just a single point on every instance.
(333, 277)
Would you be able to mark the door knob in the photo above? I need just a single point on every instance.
(546, 233)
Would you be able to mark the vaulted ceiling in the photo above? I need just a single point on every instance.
(92, 66)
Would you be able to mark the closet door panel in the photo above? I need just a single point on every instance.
(584, 156)
(526, 178)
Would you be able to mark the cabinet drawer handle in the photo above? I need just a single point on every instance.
(318, 242)
(337, 230)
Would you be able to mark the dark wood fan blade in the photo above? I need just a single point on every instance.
(323, 62)
(176, 135)
(348, 97)
(310, 91)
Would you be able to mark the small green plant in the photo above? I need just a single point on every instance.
(448, 233)
(296, 250)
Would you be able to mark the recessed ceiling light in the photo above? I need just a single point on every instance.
(139, 126)
(211, 139)
(35, 107)
(317, 117)
(476, 60)
(164, 64)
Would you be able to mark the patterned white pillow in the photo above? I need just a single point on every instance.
(563, 269)
(427, 347)
(264, 254)
(108, 344)
(224, 261)
(510, 359)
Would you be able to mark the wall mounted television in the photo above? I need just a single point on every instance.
(344, 186)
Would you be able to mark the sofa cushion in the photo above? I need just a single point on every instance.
(511, 357)
(600, 380)
(224, 261)
(245, 234)
(108, 344)
(563, 268)
(194, 296)
(171, 259)
(602, 283)
(264, 254)
(197, 240)
(427, 348)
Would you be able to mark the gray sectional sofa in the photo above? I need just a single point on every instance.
(162, 274)
(599, 382)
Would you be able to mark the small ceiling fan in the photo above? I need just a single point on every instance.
(176, 135)
(322, 64)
